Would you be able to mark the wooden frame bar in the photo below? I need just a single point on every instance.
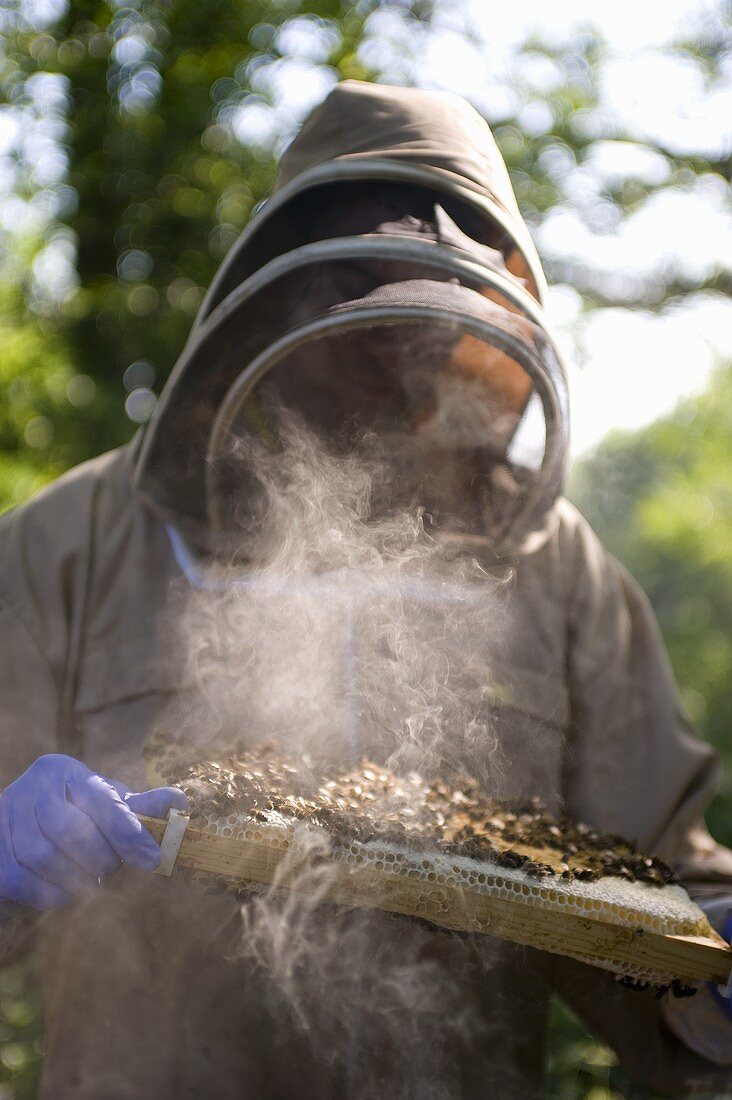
(688, 958)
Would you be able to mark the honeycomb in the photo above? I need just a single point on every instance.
(452, 839)
(667, 909)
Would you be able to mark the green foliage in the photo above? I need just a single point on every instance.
(20, 1022)
(139, 178)
(579, 1067)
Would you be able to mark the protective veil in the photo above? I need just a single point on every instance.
(389, 285)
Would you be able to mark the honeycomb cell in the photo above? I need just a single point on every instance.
(627, 904)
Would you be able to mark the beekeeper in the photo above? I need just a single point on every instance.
(392, 235)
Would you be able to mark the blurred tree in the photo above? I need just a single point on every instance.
(126, 183)
(20, 1031)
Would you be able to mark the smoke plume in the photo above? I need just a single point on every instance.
(344, 626)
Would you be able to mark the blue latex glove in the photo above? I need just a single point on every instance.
(724, 1002)
(62, 828)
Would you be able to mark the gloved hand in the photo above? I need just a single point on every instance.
(722, 998)
(62, 828)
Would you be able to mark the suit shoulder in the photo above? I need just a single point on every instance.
(61, 505)
(574, 533)
(47, 538)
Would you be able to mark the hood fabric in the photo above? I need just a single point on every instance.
(392, 214)
(363, 131)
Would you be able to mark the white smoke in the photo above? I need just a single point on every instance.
(351, 631)
(346, 628)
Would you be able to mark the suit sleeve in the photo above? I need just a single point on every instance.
(28, 721)
(636, 767)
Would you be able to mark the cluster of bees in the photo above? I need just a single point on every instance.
(369, 802)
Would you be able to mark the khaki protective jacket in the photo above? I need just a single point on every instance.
(140, 998)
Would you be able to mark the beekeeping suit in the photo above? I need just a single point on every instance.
(143, 1000)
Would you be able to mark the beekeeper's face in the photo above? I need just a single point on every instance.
(427, 404)
(442, 405)
(455, 390)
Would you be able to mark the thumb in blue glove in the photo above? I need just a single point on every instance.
(63, 828)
